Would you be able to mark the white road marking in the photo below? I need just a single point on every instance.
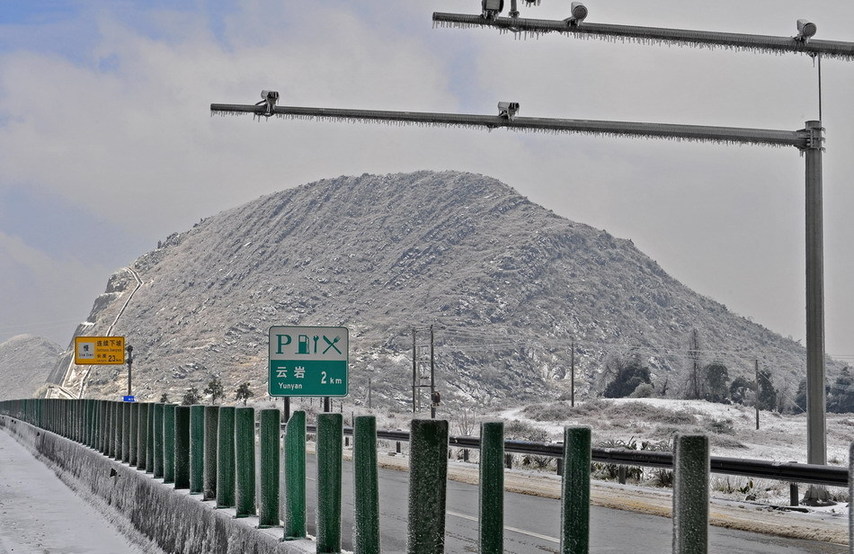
(513, 529)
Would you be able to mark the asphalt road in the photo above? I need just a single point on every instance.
(531, 524)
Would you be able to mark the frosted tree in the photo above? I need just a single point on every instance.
(243, 393)
(214, 389)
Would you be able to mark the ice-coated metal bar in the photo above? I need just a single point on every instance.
(739, 41)
(702, 133)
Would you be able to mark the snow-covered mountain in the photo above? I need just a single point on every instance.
(506, 283)
(25, 361)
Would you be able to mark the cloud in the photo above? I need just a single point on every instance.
(118, 125)
(38, 288)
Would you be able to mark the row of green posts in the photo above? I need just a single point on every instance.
(210, 450)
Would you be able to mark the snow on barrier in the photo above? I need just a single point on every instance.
(168, 440)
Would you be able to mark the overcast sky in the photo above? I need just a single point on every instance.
(107, 144)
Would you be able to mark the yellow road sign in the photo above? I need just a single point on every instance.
(99, 350)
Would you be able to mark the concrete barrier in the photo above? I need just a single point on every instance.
(180, 522)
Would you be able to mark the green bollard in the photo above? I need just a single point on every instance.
(133, 438)
(142, 437)
(149, 438)
(491, 526)
(209, 479)
(103, 423)
(691, 494)
(125, 430)
(244, 461)
(850, 496)
(169, 443)
(112, 432)
(268, 462)
(575, 491)
(330, 431)
(366, 525)
(197, 448)
(225, 458)
(294, 478)
(92, 427)
(182, 447)
(428, 473)
(158, 439)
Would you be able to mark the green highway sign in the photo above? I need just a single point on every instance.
(309, 361)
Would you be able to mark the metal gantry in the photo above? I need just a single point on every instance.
(809, 141)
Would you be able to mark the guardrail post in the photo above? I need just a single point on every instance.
(158, 439)
(125, 432)
(211, 438)
(142, 437)
(329, 452)
(428, 473)
(850, 496)
(491, 503)
(691, 494)
(133, 436)
(294, 516)
(169, 443)
(366, 525)
(197, 447)
(113, 436)
(244, 461)
(268, 466)
(225, 458)
(182, 447)
(102, 426)
(575, 490)
(149, 438)
(508, 461)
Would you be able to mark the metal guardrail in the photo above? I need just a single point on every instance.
(833, 476)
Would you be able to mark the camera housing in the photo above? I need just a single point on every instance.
(270, 97)
(578, 12)
(508, 110)
(806, 29)
(491, 8)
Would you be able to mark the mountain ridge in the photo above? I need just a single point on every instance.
(507, 284)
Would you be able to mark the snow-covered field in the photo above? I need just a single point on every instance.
(732, 428)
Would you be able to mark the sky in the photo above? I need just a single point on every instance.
(107, 144)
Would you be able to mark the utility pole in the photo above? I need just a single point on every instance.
(816, 400)
(433, 399)
(414, 373)
(369, 393)
(756, 381)
(572, 375)
(129, 349)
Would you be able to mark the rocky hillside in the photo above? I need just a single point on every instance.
(23, 360)
(506, 283)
